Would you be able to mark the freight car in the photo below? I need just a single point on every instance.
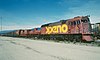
(77, 29)
(10, 33)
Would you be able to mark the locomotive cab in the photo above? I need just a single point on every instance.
(86, 29)
(85, 22)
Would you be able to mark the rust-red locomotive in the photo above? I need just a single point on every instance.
(75, 29)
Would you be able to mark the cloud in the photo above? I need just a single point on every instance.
(90, 8)
(13, 22)
(73, 8)
(71, 3)
(16, 27)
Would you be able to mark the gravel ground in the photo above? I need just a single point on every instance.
(27, 49)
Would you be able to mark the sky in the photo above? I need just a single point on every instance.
(25, 14)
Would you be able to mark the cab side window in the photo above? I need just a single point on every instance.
(74, 22)
(78, 22)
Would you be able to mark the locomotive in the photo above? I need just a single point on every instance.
(77, 29)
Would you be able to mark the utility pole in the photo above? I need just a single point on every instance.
(1, 23)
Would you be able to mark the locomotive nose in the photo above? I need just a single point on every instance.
(87, 38)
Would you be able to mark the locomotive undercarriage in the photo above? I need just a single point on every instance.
(59, 37)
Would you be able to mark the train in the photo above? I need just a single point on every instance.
(77, 29)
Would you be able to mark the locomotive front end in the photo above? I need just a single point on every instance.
(86, 29)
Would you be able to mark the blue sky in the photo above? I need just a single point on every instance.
(23, 14)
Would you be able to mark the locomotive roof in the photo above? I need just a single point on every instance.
(63, 21)
(58, 22)
(78, 18)
(38, 28)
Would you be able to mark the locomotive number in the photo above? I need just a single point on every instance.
(57, 29)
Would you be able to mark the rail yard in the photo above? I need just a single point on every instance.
(71, 39)
(49, 29)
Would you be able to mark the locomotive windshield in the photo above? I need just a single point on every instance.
(84, 20)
